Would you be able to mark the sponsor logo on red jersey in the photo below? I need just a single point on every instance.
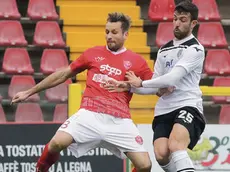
(111, 70)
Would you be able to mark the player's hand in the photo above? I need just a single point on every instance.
(165, 91)
(133, 79)
(20, 96)
(116, 83)
(113, 85)
(113, 88)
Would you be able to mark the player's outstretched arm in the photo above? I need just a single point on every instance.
(167, 80)
(147, 91)
(113, 85)
(52, 80)
(193, 58)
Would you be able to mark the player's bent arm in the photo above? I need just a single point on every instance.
(167, 80)
(52, 80)
(144, 91)
(192, 58)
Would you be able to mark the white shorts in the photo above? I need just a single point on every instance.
(91, 130)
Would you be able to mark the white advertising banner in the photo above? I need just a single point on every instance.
(212, 153)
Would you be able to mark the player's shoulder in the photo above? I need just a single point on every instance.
(167, 45)
(134, 55)
(194, 44)
(93, 51)
(95, 48)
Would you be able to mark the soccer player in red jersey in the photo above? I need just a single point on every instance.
(103, 119)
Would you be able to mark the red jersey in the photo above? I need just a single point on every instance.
(102, 63)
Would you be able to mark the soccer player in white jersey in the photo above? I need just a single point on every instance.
(179, 119)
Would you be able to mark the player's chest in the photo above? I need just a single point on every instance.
(170, 58)
(113, 67)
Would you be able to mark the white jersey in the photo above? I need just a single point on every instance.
(189, 54)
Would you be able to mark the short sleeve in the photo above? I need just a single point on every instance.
(192, 58)
(145, 72)
(80, 64)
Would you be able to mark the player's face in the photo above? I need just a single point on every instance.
(114, 35)
(182, 25)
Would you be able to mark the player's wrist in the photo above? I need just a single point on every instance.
(141, 83)
(30, 92)
(128, 87)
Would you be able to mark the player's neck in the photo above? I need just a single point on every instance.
(119, 51)
(179, 41)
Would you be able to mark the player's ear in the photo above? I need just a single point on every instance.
(126, 34)
(194, 23)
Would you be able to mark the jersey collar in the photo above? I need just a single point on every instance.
(117, 52)
(178, 42)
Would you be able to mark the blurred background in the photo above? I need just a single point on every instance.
(38, 37)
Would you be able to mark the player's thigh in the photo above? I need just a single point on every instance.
(140, 160)
(162, 127)
(62, 140)
(187, 129)
(179, 138)
(83, 127)
(123, 136)
(80, 149)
